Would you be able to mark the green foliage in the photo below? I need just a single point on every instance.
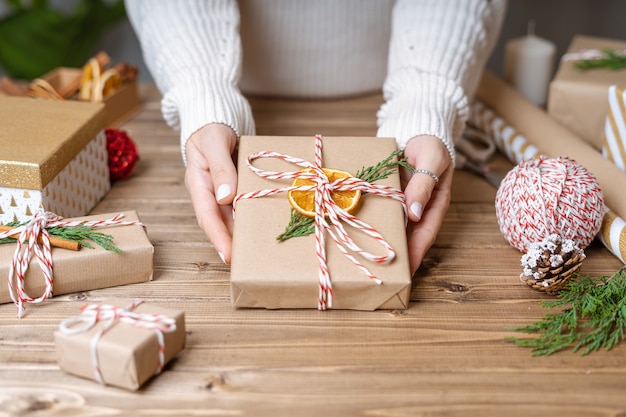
(593, 316)
(611, 60)
(300, 225)
(37, 38)
(80, 234)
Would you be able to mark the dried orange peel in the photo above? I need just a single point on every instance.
(304, 201)
(91, 72)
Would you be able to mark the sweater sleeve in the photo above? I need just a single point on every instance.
(193, 51)
(437, 52)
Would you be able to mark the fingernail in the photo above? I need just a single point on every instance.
(221, 255)
(223, 191)
(417, 209)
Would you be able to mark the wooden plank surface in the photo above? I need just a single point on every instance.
(446, 355)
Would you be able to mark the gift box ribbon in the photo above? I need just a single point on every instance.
(614, 145)
(91, 315)
(34, 239)
(324, 204)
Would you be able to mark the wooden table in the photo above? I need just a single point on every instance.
(446, 355)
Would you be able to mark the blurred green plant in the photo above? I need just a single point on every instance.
(36, 37)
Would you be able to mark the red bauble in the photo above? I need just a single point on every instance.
(122, 154)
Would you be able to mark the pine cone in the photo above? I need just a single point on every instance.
(549, 265)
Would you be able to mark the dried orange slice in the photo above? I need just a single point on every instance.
(91, 72)
(304, 201)
(109, 82)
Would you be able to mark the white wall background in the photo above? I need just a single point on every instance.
(556, 20)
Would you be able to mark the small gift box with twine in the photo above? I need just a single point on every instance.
(122, 255)
(120, 343)
(577, 96)
(349, 259)
(53, 156)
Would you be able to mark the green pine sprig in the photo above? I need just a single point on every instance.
(300, 225)
(611, 60)
(81, 234)
(593, 316)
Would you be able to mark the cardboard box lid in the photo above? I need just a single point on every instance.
(40, 137)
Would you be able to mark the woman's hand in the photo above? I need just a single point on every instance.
(211, 179)
(427, 200)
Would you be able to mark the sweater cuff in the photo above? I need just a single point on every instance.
(196, 101)
(418, 103)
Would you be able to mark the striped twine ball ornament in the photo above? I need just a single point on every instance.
(546, 196)
(549, 209)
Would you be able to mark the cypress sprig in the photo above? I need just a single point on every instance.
(81, 234)
(593, 316)
(300, 225)
(611, 60)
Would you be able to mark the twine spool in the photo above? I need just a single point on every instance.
(547, 196)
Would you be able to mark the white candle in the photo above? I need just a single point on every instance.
(528, 66)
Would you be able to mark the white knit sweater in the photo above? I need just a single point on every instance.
(426, 55)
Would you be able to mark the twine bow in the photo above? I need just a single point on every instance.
(34, 239)
(92, 314)
(336, 215)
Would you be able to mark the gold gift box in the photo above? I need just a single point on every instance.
(266, 273)
(128, 356)
(53, 155)
(578, 98)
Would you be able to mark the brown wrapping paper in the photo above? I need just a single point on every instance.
(127, 355)
(577, 99)
(89, 269)
(269, 274)
(40, 137)
(552, 138)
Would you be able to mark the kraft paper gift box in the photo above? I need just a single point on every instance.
(53, 155)
(119, 106)
(89, 269)
(127, 355)
(577, 98)
(266, 273)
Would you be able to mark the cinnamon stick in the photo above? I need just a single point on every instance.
(55, 241)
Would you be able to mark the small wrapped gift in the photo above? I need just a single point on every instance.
(316, 270)
(83, 270)
(53, 155)
(577, 97)
(119, 343)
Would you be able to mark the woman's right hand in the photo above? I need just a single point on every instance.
(211, 179)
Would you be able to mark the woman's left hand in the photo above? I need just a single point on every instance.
(427, 200)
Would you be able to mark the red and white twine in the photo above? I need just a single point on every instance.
(35, 239)
(325, 204)
(95, 313)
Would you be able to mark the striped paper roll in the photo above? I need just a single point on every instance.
(614, 145)
(517, 148)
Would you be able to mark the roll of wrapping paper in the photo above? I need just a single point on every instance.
(521, 130)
